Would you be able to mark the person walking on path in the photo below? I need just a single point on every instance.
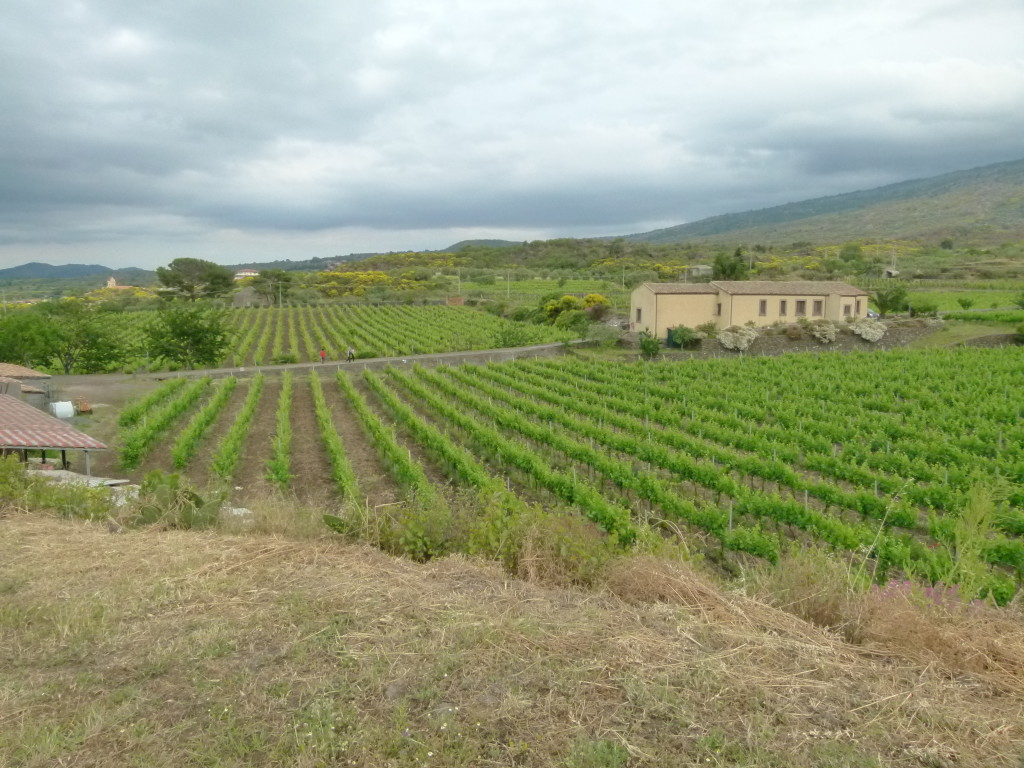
(351, 355)
(323, 354)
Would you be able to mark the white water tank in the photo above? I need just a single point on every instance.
(62, 409)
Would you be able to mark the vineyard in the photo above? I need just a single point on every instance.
(265, 335)
(878, 455)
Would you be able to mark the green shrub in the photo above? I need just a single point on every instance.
(650, 347)
(575, 320)
(19, 488)
(708, 330)
(169, 500)
(924, 309)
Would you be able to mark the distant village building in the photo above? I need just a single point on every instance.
(658, 307)
(244, 273)
(112, 285)
(699, 271)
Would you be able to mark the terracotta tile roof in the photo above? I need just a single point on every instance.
(681, 287)
(761, 287)
(792, 287)
(21, 372)
(22, 426)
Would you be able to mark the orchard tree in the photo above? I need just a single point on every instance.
(195, 279)
(189, 336)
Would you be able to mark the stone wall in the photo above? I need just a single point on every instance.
(773, 342)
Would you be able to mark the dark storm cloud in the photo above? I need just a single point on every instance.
(138, 129)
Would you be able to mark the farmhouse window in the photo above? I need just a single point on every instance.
(858, 307)
(801, 308)
(819, 307)
(847, 310)
(762, 309)
(718, 309)
(782, 308)
(638, 314)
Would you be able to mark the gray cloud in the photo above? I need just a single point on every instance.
(140, 131)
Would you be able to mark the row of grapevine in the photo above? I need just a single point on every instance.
(226, 457)
(405, 470)
(279, 466)
(613, 517)
(188, 440)
(137, 409)
(745, 463)
(341, 470)
(661, 426)
(137, 441)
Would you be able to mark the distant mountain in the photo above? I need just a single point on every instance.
(982, 206)
(38, 271)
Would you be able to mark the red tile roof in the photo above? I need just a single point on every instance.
(680, 287)
(16, 371)
(784, 288)
(761, 287)
(22, 426)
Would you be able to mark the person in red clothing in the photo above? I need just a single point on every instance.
(323, 354)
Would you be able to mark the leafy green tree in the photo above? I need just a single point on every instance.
(195, 279)
(891, 299)
(26, 338)
(965, 302)
(730, 267)
(84, 339)
(189, 336)
(851, 252)
(273, 284)
(1019, 301)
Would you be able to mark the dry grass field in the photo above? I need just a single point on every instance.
(173, 648)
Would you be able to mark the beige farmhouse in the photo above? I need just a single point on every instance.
(658, 307)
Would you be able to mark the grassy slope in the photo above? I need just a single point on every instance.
(168, 649)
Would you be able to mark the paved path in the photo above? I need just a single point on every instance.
(443, 358)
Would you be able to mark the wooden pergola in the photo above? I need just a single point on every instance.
(24, 428)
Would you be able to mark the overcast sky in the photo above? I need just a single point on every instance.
(133, 131)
